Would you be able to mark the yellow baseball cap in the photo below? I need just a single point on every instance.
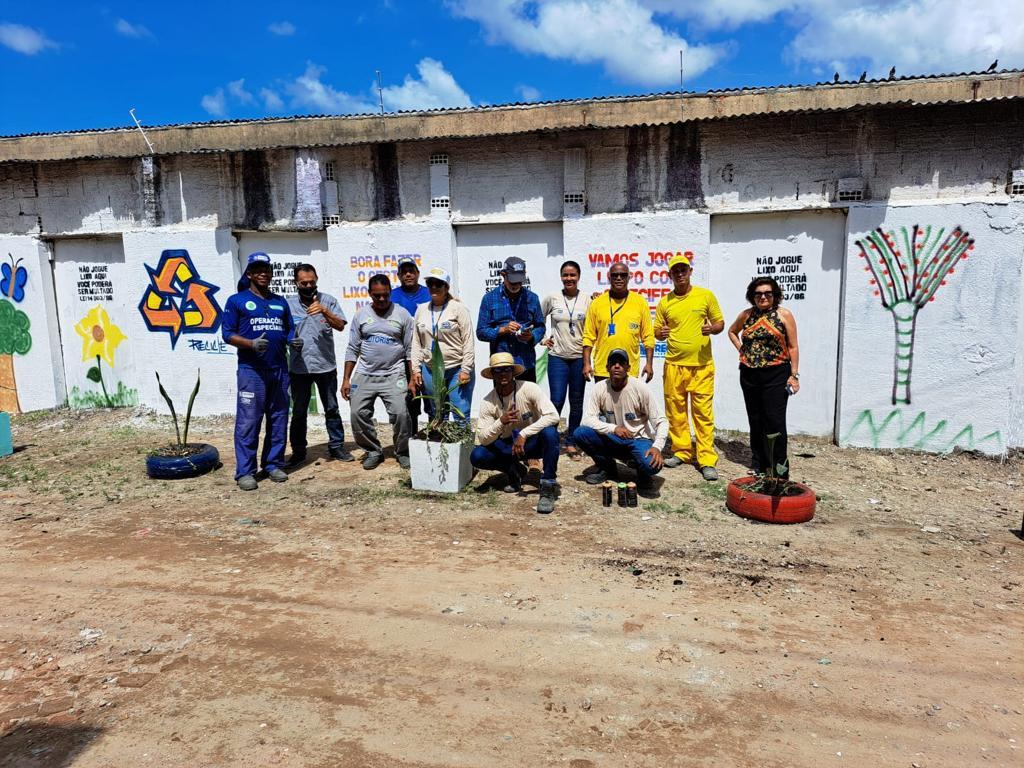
(679, 259)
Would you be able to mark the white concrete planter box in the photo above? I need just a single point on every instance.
(440, 467)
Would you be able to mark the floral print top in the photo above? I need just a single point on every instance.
(764, 340)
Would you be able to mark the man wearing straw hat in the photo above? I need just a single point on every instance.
(517, 421)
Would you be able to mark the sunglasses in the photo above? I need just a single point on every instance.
(764, 294)
(436, 284)
(619, 276)
(503, 369)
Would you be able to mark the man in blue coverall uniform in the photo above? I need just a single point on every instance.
(259, 324)
(511, 319)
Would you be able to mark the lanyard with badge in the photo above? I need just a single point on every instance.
(613, 313)
(572, 328)
(433, 322)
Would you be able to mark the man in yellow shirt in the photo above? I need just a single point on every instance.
(687, 318)
(617, 319)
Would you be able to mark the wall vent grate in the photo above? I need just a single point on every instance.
(332, 220)
(440, 202)
(850, 195)
(329, 170)
(439, 158)
(573, 198)
(1017, 188)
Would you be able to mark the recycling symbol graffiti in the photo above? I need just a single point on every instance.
(177, 300)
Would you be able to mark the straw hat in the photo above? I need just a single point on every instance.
(502, 360)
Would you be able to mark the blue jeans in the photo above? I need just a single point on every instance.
(459, 396)
(498, 455)
(604, 449)
(567, 375)
(302, 388)
(262, 397)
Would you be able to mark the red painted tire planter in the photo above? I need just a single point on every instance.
(770, 509)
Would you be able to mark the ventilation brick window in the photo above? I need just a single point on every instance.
(440, 202)
(329, 170)
(439, 158)
(850, 195)
(332, 220)
(573, 198)
(1017, 188)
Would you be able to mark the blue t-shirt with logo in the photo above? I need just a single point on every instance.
(250, 316)
(410, 300)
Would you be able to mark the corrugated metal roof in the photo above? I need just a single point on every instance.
(515, 118)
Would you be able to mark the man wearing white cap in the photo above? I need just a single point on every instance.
(517, 421)
(444, 321)
(688, 318)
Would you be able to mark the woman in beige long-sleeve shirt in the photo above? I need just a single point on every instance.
(446, 320)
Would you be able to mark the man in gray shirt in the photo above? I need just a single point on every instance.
(317, 316)
(377, 365)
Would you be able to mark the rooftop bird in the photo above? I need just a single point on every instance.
(863, 76)
(992, 66)
(835, 78)
(892, 73)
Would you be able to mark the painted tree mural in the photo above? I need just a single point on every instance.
(908, 267)
(14, 339)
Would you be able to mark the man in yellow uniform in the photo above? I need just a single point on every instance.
(617, 319)
(687, 318)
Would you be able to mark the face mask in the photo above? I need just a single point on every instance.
(307, 293)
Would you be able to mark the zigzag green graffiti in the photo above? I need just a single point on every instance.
(889, 432)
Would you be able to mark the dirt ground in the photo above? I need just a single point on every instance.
(342, 619)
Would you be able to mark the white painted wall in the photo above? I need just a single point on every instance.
(769, 245)
(964, 373)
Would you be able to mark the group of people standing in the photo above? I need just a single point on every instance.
(598, 338)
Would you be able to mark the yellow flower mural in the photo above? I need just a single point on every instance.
(100, 337)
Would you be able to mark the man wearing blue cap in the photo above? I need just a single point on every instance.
(511, 319)
(259, 324)
(410, 294)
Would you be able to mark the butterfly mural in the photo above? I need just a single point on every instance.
(12, 285)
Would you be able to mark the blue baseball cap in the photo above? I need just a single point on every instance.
(515, 269)
(258, 258)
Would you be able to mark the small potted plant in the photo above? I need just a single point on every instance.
(439, 453)
(771, 498)
(181, 459)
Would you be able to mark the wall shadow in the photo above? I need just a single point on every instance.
(39, 745)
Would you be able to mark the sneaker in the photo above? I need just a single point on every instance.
(403, 461)
(601, 475)
(247, 483)
(277, 475)
(341, 455)
(515, 474)
(373, 460)
(297, 458)
(548, 494)
(646, 488)
(673, 461)
(709, 473)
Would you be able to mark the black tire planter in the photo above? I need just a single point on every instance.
(203, 458)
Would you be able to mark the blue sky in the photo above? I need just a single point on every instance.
(74, 65)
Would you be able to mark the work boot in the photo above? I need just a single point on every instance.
(602, 475)
(373, 460)
(673, 461)
(403, 461)
(247, 483)
(277, 475)
(297, 458)
(516, 473)
(646, 488)
(548, 494)
(709, 473)
(341, 454)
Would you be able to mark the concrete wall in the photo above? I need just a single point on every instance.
(94, 237)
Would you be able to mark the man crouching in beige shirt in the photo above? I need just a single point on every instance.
(632, 428)
(517, 421)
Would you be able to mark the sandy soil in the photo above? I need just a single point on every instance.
(341, 619)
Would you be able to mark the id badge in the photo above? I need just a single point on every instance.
(611, 329)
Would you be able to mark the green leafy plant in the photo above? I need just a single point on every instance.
(774, 481)
(181, 447)
(440, 428)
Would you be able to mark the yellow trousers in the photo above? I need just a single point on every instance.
(693, 386)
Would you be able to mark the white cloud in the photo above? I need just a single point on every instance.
(915, 36)
(434, 89)
(282, 28)
(24, 39)
(215, 103)
(723, 14)
(126, 28)
(271, 101)
(621, 35)
(236, 89)
(528, 93)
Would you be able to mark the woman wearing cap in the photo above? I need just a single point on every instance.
(765, 337)
(566, 311)
(446, 320)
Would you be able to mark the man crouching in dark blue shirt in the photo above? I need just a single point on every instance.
(259, 324)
